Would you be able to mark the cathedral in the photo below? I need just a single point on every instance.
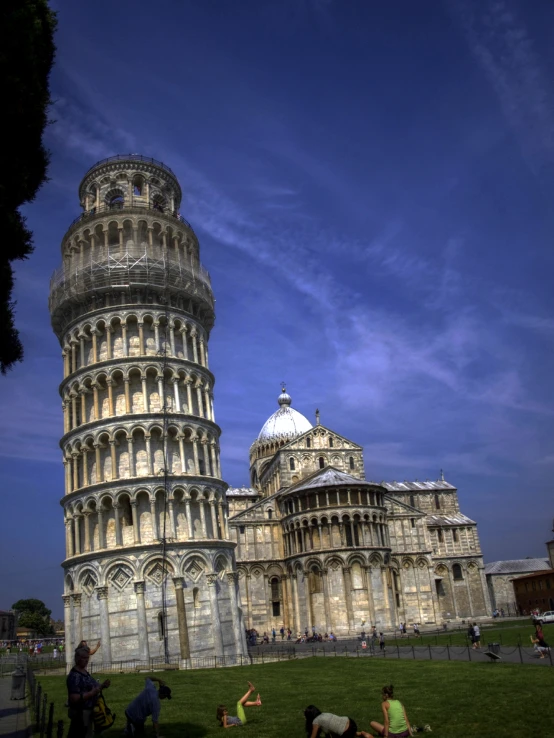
(318, 546)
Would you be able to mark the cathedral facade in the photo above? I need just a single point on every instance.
(318, 546)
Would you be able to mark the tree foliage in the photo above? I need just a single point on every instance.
(26, 56)
(34, 614)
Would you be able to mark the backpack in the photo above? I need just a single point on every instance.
(102, 717)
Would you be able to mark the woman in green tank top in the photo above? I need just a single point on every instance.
(396, 724)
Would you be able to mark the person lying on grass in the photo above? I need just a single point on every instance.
(396, 724)
(332, 725)
(228, 721)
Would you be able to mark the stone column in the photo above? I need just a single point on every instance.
(124, 338)
(172, 339)
(161, 392)
(65, 408)
(101, 536)
(97, 414)
(370, 603)
(68, 537)
(195, 452)
(348, 596)
(115, 474)
(110, 384)
(190, 526)
(232, 579)
(118, 536)
(130, 441)
(286, 600)
(142, 624)
(141, 337)
(207, 404)
(297, 624)
(94, 345)
(198, 388)
(216, 622)
(176, 395)
(185, 345)
(109, 341)
(184, 645)
(76, 484)
(69, 645)
(180, 439)
(327, 604)
(188, 383)
(87, 530)
(84, 452)
(77, 534)
(172, 528)
(214, 519)
(153, 515)
(136, 522)
(212, 459)
(156, 336)
(102, 594)
(203, 517)
(144, 395)
(148, 454)
(220, 515)
(126, 382)
(248, 602)
(77, 619)
(194, 347)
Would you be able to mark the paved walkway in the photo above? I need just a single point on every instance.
(352, 649)
(15, 721)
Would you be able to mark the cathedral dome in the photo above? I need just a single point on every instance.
(285, 424)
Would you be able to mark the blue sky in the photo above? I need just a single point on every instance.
(372, 186)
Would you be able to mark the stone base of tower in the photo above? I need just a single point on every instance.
(142, 607)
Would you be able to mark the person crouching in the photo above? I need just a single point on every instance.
(145, 704)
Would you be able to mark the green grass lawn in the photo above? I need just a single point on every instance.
(457, 699)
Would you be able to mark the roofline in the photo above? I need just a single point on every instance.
(535, 574)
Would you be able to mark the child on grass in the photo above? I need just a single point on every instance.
(228, 721)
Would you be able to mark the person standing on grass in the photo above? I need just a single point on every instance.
(145, 704)
(282, 632)
(229, 721)
(332, 725)
(82, 693)
(476, 636)
(396, 723)
(381, 642)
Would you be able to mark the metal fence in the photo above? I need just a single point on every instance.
(42, 711)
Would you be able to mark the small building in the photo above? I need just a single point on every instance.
(500, 577)
(7, 625)
(535, 592)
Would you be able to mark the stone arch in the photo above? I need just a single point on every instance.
(121, 572)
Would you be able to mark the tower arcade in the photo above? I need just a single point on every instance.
(149, 566)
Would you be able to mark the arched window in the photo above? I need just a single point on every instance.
(270, 514)
(308, 442)
(412, 520)
(437, 502)
(351, 462)
(457, 572)
(275, 598)
(454, 535)
(330, 441)
(138, 186)
(321, 462)
(116, 201)
(440, 535)
(412, 500)
(161, 626)
(291, 464)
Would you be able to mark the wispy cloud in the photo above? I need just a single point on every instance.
(504, 48)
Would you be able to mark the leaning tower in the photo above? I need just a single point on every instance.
(149, 566)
